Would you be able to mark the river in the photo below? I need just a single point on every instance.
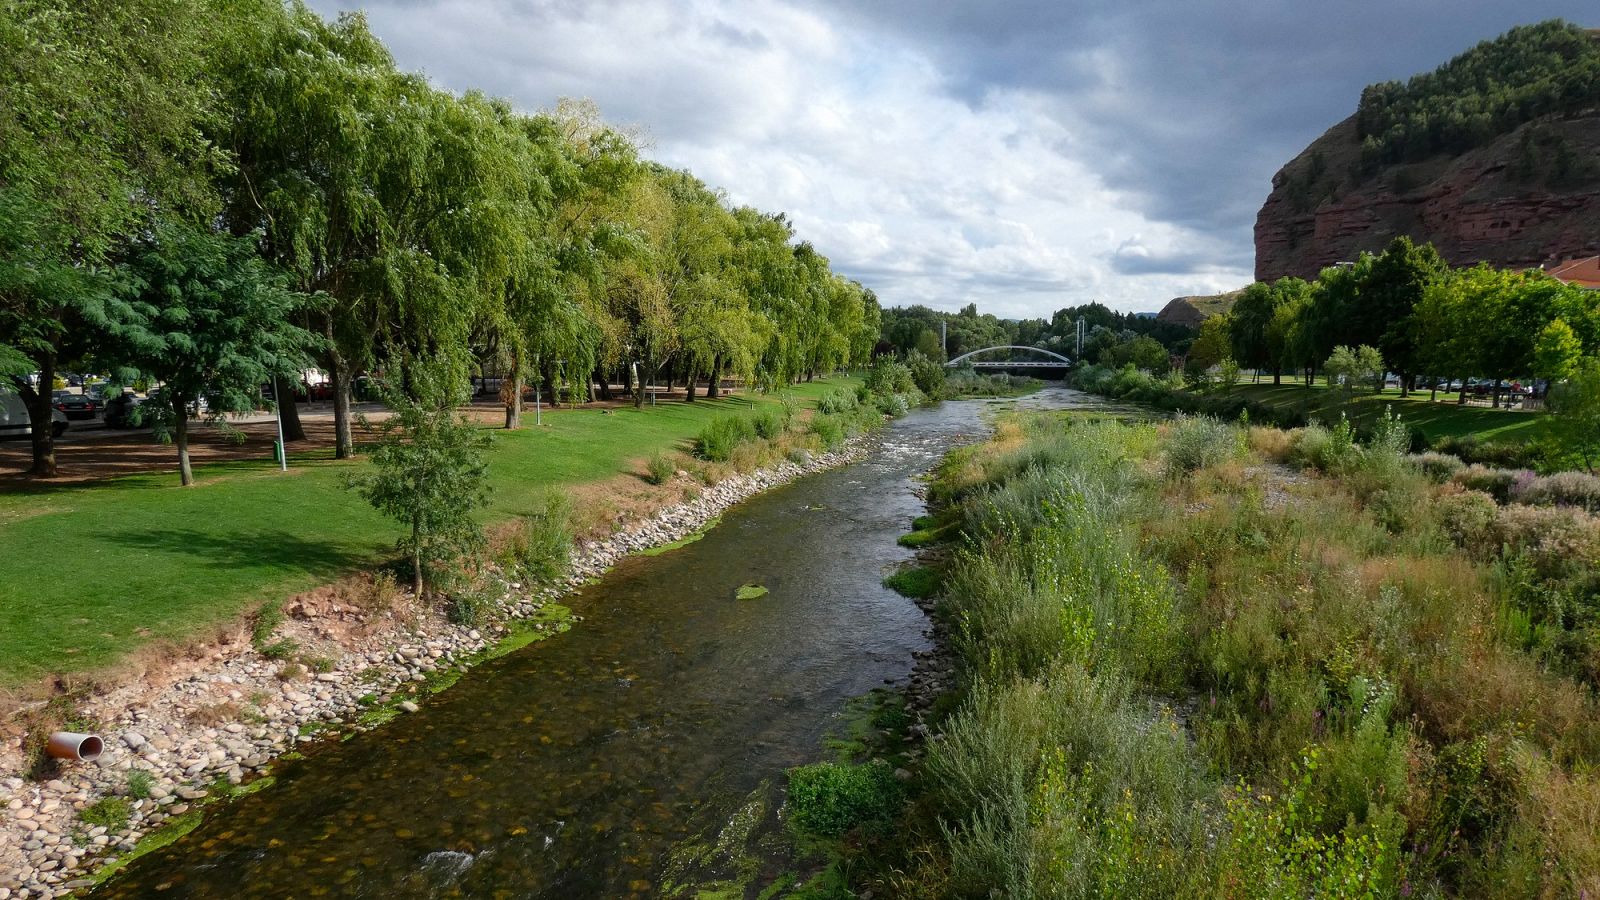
(574, 767)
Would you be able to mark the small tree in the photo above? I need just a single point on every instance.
(428, 472)
(1575, 404)
(1557, 351)
(206, 317)
(1349, 366)
(1228, 371)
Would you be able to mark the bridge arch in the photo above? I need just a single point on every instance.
(965, 356)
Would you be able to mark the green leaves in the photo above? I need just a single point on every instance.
(428, 472)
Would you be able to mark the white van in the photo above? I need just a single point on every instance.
(14, 416)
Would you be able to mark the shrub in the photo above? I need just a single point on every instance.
(1200, 441)
(1577, 489)
(835, 402)
(1333, 451)
(543, 543)
(831, 799)
(1555, 539)
(722, 435)
(1440, 467)
(767, 422)
(659, 468)
(139, 784)
(1494, 482)
(892, 405)
(889, 376)
(829, 429)
(926, 374)
(1467, 516)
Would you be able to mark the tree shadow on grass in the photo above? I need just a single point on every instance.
(255, 549)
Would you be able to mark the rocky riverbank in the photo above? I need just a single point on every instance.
(207, 729)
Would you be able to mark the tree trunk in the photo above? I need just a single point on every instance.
(714, 380)
(1277, 376)
(602, 378)
(688, 382)
(41, 415)
(416, 560)
(288, 410)
(1461, 395)
(343, 441)
(180, 436)
(1495, 394)
(638, 389)
(513, 398)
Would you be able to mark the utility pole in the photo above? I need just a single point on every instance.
(944, 340)
(1077, 354)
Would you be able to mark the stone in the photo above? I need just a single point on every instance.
(408, 706)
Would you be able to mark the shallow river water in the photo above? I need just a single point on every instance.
(572, 768)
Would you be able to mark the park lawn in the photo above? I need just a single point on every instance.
(1435, 420)
(92, 572)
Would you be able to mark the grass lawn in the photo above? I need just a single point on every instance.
(92, 571)
(1435, 420)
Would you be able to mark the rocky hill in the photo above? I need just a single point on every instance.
(1512, 179)
(1191, 311)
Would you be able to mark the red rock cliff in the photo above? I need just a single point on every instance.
(1521, 201)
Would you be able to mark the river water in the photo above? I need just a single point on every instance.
(574, 767)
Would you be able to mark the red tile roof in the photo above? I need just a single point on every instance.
(1584, 272)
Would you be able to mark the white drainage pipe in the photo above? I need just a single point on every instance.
(71, 745)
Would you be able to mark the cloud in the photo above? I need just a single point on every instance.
(1024, 155)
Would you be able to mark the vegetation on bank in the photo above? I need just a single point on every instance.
(1518, 439)
(1340, 672)
(160, 563)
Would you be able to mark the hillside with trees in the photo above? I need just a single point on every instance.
(1491, 157)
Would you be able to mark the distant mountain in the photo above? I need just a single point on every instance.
(1493, 156)
(1191, 311)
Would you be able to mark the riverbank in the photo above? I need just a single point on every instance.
(99, 577)
(164, 761)
(1317, 680)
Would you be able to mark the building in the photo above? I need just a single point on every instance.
(1584, 273)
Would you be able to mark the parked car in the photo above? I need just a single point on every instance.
(75, 406)
(119, 410)
(14, 421)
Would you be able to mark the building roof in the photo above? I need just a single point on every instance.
(1584, 273)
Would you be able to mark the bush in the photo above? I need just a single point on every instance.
(1577, 489)
(835, 402)
(926, 374)
(1333, 451)
(831, 799)
(768, 422)
(1440, 467)
(1494, 482)
(659, 468)
(892, 405)
(1467, 516)
(1199, 441)
(543, 543)
(722, 435)
(889, 376)
(829, 429)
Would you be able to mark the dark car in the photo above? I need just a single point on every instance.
(75, 406)
(119, 410)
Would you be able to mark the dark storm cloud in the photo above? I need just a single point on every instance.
(1190, 107)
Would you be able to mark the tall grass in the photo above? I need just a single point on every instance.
(1353, 681)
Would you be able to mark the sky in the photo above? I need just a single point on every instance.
(1023, 155)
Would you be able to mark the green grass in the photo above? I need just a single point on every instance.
(91, 572)
(1435, 420)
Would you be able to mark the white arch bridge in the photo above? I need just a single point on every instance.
(1061, 361)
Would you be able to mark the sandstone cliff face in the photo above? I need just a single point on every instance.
(1529, 198)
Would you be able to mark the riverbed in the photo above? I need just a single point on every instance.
(573, 768)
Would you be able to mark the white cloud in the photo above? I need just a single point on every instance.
(924, 196)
